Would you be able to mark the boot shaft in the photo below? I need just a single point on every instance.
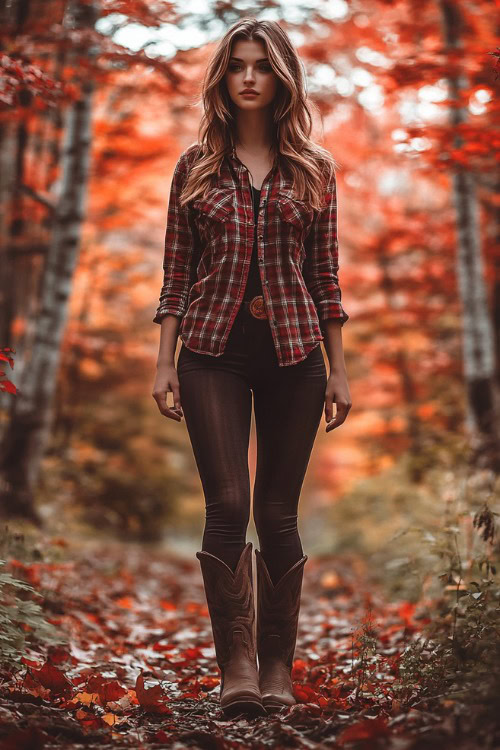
(230, 601)
(278, 608)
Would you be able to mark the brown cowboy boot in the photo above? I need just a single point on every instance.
(230, 602)
(277, 624)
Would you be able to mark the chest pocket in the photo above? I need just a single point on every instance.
(213, 212)
(295, 212)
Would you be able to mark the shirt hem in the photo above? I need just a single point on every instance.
(307, 352)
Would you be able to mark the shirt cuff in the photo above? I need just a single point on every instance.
(172, 309)
(328, 310)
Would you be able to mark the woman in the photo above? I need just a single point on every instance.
(251, 287)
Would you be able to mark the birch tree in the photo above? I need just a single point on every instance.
(25, 440)
(477, 328)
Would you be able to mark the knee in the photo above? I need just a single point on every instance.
(274, 521)
(228, 510)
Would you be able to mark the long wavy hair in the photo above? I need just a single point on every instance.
(307, 163)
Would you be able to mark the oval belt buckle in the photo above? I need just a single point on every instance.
(257, 307)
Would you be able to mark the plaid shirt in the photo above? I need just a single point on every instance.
(208, 249)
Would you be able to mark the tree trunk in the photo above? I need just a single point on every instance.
(14, 15)
(407, 382)
(20, 261)
(27, 435)
(478, 339)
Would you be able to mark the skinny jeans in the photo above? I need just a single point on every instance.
(216, 397)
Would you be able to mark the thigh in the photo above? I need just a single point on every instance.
(217, 408)
(288, 410)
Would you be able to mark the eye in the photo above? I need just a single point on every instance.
(265, 68)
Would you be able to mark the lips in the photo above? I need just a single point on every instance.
(249, 91)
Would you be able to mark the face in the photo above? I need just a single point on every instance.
(249, 68)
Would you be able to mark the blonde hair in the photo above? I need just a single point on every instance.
(309, 165)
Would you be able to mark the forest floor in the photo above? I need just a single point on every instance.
(138, 667)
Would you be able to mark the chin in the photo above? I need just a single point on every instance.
(251, 103)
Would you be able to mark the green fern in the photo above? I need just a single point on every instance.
(15, 614)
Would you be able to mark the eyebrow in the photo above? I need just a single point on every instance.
(262, 59)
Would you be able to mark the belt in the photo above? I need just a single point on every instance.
(255, 307)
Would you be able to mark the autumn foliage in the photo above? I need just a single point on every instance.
(398, 644)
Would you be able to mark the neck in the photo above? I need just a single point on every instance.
(254, 131)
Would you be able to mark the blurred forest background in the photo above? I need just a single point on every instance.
(98, 99)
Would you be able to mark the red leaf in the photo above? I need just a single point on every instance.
(304, 693)
(108, 690)
(151, 699)
(52, 678)
(364, 730)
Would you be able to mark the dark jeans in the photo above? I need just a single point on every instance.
(216, 398)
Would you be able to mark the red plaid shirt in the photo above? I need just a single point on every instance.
(208, 249)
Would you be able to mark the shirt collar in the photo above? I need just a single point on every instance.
(239, 164)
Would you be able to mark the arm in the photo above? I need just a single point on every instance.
(180, 242)
(333, 346)
(166, 374)
(320, 275)
(320, 269)
(168, 340)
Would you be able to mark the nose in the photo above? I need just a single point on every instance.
(249, 76)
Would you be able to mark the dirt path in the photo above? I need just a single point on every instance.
(139, 668)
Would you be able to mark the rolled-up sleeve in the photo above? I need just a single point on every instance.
(180, 243)
(321, 264)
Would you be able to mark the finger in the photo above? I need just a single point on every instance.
(177, 398)
(332, 425)
(171, 413)
(176, 407)
(342, 411)
(157, 398)
(328, 407)
(161, 400)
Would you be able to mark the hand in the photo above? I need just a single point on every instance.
(167, 380)
(337, 392)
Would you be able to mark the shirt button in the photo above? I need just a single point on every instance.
(261, 236)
